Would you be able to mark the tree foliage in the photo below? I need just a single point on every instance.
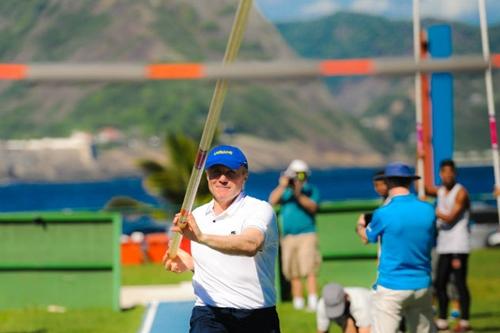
(169, 180)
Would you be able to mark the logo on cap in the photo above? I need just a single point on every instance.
(219, 152)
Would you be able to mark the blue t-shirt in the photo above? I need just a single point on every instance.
(294, 218)
(406, 226)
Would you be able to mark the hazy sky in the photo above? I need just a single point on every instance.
(460, 10)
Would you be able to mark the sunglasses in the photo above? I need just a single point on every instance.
(216, 172)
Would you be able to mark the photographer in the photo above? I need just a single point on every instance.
(299, 244)
(379, 186)
(406, 228)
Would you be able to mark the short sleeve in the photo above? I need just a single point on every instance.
(322, 321)
(375, 228)
(261, 217)
(315, 196)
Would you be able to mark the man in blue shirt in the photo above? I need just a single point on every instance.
(406, 226)
(300, 257)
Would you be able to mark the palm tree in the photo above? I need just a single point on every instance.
(169, 181)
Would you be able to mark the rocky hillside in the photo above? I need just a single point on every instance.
(274, 121)
(385, 106)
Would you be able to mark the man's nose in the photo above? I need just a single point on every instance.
(223, 178)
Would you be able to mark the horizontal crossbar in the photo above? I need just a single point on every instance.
(270, 70)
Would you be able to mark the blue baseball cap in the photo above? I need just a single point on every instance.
(228, 156)
(399, 170)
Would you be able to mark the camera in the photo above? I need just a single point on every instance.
(294, 176)
(368, 218)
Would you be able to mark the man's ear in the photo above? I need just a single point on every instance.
(246, 173)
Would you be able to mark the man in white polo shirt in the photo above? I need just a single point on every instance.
(233, 252)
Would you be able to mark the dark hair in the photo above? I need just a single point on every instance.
(447, 163)
(398, 181)
(379, 175)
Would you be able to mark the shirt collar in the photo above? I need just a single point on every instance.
(230, 210)
(401, 196)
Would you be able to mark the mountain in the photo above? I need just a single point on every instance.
(305, 10)
(273, 121)
(383, 106)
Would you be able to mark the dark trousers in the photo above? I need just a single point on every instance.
(444, 271)
(208, 319)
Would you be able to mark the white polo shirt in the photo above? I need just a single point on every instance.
(236, 281)
(360, 308)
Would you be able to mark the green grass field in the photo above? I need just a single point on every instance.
(484, 281)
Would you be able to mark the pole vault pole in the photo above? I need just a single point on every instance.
(489, 97)
(232, 48)
(418, 97)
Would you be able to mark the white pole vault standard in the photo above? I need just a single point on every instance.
(489, 96)
(418, 97)
(233, 46)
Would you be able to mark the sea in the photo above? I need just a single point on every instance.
(334, 184)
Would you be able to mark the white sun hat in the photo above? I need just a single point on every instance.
(298, 166)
